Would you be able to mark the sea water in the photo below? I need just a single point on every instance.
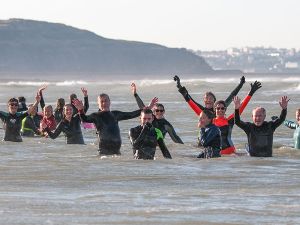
(45, 181)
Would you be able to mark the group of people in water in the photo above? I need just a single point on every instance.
(214, 135)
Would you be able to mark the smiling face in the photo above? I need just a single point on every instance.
(220, 110)
(159, 111)
(48, 111)
(203, 120)
(13, 107)
(209, 101)
(104, 103)
(258, 116)
(68, 111)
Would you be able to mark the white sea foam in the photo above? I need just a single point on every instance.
(23, 83)
(71, 83)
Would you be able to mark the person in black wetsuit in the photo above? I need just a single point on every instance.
(210, 136)
(69, 125)
(12, 120)
(59, 110)
(145, 137)
(159, 121)
(31, 123)
(209, 97)
(107, 124)
(22, 104)
(260, 132)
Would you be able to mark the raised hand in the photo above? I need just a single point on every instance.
(284, 102)
(153, 102)
(133, 88)
(177, 79)
(40, 91)
(254, 87)
(38, 97)
(84, 91)
(78, 104)
(237, 102)
(243, 80)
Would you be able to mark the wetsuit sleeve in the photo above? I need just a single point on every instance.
(164, 149)
(126, 115)
(233, 93)
(22, 114)
(56, 132)
(276, 123)
(88, 119)
(207, 137)
(170, 129)
(3, 115)
(242, 107)
(136, 142)
(290, 124)
(196, 107)
(86, 104)
(42, 102)
(241, 124)
(139, 101)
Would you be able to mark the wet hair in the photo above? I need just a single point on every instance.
(12, 100)
(22, 99)
(220, 102)
(159, 105)
(72, 96)
(212, 95)
(60, 103)
(147, 111)
(259, 108)
(209, 114)
(103, 95)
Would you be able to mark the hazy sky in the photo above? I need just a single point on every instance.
(193, 24)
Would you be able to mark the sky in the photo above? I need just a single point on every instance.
(193, 24)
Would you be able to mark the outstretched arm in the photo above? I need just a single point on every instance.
(237, 119)
(86, 99)
(283, 104)
(235, 92)
(56, 132)
(170, 129)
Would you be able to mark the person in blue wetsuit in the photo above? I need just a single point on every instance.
(260, 132)
(12, 120)
(210, 136)
(69, 125)
(145, 137)
(159, 121)
(106, 123)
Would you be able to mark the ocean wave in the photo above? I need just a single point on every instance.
(71, 83)
(23, 83)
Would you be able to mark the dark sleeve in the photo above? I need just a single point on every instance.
(276, 123)
(164, 148)
(232, 94)
(239, 122)
(86, 104)
(88, 119)
(42, 102)
(126, 115)
(137, 141)
(208, 136)
(3, 115)
(170, 129)
(139, 101)
(22, 114)
(56, 132)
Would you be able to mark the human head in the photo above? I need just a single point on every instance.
(60, 103)
(33, 110)
(104, 102)
(72, 97)
(298, 115)
(68, 111)
(209, 100)
(22, 99)
(146, 116)
(205, 118)
(258, 116)
(220, 108)
(48, 111)
(159, 110)
(13, 105)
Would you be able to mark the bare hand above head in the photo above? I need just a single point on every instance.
(42, 88)
(38, 97)
(284, 102)
(133, 88)
(84, 91)
(237, 102)
(78, 104)
(153, 102)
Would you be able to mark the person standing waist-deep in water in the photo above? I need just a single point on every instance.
(107, 124)
(69, 125)
(145, 137)
(159, 121)
(260, 132)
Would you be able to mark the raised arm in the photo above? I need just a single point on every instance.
(126, 115)
(235, 91)
(237, 119)
(171, 131)
(86, 99)
(283, 104)
(138, 100)
(79, 106)
(40, 92)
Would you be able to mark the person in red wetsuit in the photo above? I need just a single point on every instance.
(225, 124)
(209, 97)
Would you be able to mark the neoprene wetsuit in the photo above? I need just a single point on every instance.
(72, 130)
(296, 127)
(30, 126)
(108, 129)
(144, 141)
(260, 138)
(12, 125)
(162, 124)
(210, 139)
